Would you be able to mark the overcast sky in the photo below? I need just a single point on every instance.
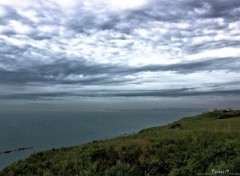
(100, 54)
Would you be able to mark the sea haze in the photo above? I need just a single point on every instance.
(46, 130)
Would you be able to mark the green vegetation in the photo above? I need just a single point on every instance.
(206, 143)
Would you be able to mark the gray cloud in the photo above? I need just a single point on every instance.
(230, 64)
(101, 47)
(228, 10)
(57, 72)
(183, 92)
(178, 93)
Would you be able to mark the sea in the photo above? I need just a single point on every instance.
(39, 131)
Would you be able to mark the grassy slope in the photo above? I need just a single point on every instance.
(204, 142)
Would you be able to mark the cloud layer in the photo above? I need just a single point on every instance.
(145, 48)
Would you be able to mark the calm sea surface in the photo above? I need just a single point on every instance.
(46, 130)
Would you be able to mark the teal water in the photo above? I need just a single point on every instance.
(46, 130)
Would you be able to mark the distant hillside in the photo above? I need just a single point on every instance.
(206, 143)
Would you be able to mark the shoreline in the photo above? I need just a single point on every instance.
(190, 131)
(23, 154)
